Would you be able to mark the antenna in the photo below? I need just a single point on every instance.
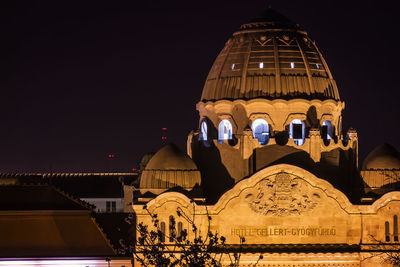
(164, 135)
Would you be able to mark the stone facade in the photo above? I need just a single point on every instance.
(292, 207)
(275, 167)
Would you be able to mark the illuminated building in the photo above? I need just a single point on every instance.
(275, 166)
(269, 162)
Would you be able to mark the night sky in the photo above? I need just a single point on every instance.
(81, 80)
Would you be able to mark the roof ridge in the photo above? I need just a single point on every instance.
(104, 234)
(78, 201)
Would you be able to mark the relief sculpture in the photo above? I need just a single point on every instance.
(282, 194)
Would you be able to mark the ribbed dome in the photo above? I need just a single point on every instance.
(383, 157)
(269, 57)
(169, 168)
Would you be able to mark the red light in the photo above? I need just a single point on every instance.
(134, 169)
(164, 129)
(111, 155)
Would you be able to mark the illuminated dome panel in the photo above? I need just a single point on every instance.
(270, 57)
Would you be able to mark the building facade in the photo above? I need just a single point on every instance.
(269, 161)
(269, 168)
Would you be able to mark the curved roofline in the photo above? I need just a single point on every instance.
(314, 181)
(170, 157)
(270, 57)
(381, 158)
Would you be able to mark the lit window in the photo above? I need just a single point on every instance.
(233, 66)
(225, 130)
(261, 65)
(292, 65)
(326, 130)
(317, 65)
(297, 131)
(260, 131)
(203, 131)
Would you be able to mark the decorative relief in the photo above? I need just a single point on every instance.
(282, 194)
(263, 40)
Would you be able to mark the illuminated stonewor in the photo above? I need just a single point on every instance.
(275, 167)
(272, 87)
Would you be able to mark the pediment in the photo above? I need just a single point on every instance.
(284, 190)
(284, 204)
(281, 204)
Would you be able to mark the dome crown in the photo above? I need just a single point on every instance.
(271, 19)
(383, 157)
(269, 57)
(170, 157)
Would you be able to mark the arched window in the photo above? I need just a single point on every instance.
(179, 234)
(326, 130)
(260, 130)
(162, 228)
(172, 230)
(225, 130)
(297, 131)
(395, 228)
(203, 131)
(387, 234)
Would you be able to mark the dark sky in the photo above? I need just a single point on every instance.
(80, 80)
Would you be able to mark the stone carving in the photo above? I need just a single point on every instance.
(282, 194)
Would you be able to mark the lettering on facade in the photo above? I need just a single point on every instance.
(282, 194)
(282, 231)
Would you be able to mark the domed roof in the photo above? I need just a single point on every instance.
(169, 168)
(383, 157)
(269, 57)
(170, 157)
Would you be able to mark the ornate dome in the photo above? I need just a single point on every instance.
(169, 168)
(269, 57)
(383, 157)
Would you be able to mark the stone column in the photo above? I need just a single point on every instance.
(189, 143)
(246, 149)
(315, 144)
(353, 141)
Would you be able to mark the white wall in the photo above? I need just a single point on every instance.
(101, 203)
